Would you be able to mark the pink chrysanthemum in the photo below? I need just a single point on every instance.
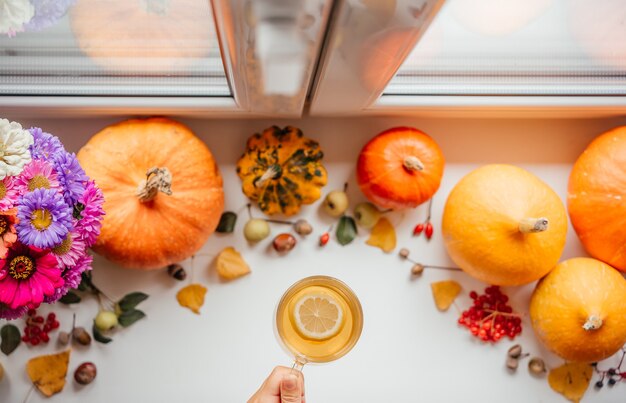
(8, 234)
(70, 250)
(37, 174)
(8, 193)
(10, 314)
(27, 275)
(72, 277)
(88, 226)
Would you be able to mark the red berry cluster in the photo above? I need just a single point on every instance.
(36, 329)
(490, 318)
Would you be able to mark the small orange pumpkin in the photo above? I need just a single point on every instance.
(162, 189)
(579, 310)
(596, 198)
(400, 168)
(504, 226)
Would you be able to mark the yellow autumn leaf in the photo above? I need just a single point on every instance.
(383, 235)
(571, 380)
(444, 293)
(192, 297)
(47, 372)
(230, 264)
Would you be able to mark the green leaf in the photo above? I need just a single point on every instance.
(77, 211)
(130, 301)
(85, 283)
(346, 230)
(11, 338)
(129, 317)
(70, 298)
(98, 336)
(227, 222)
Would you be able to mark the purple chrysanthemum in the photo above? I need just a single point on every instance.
(72, 277)
(44, 217)
(45, 145)
(47, 13)
(37, 174)
(8, 193)
(71, 176)
(88, 227)
(70, 250)
(7, 313)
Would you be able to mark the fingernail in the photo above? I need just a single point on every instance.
(290, 382)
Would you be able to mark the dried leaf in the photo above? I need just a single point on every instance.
(383, 235)
(11, 338)
(129, 317)
(346, 230)
(571, 380)
(70, 298)
(192, 297)
(130, 301)
(98, 336)
(230, 264)
(47, 372)
(444, 293)
(227, 222)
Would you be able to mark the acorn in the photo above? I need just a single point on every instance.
(512, 363)
(536, 366)
(515, 351)
(63, 338)
(85, 373)
(81, 336)
(404, 253)
(175, 270)
(302, 227)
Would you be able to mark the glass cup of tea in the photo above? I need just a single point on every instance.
(318, 319)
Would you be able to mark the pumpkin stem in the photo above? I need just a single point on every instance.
(273, 172)
(157, 180)
(531, 225)
(412, 163)
(593, 323)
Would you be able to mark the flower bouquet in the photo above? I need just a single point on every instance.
(50, 213)
(31, 15)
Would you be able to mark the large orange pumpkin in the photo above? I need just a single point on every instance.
(579, 310)
(400, 168)
(143, 35)
(162, 189)
(596, 198)
(504, 226)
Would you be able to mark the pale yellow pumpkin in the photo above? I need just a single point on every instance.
(579, 310)
(504, 226)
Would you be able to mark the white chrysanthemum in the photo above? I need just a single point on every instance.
(14, 14)
(14, 152)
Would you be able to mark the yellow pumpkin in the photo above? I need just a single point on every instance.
(579, 310)
(504, 226)
(162, 189)
(281, 170)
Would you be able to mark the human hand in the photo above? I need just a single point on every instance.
(284, 385)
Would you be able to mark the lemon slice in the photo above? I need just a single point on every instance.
(318, 316)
